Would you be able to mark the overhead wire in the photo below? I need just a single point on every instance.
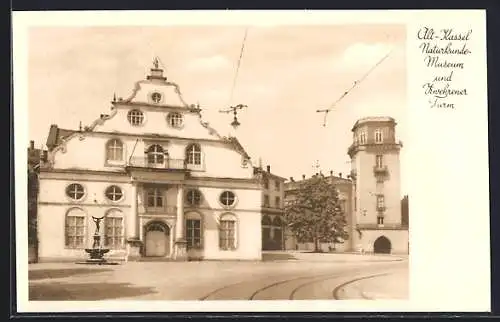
(354, 85)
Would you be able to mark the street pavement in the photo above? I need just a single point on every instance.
(280, 276)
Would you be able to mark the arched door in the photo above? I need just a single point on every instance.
(382, 245)
(157, 240)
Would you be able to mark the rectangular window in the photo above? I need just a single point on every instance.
(277, 185)
(378, 136)
(362, 138)
(114, 232)
(155, 198)
(193, 233)
(380, 220)
(277, 202)
(266, 184)
(266, 201)
(380, 202)
(227, 235)
(75, 231)
(379, 161)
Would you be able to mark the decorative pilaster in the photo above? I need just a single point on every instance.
(134, 243)
(180, 241)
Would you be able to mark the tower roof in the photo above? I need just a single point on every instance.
(373, 119)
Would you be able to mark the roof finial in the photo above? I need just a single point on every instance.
(155, 62)
(80, 126)
(114, 97)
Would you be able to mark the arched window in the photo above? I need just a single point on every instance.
(227, 198)
(227, 232)
(193, 154)
(175, 119)
(113, 234)
(75, 191)
(193, 197)
(277, 221)
(156, 155)
(114, 150)
(75, 228)
(193, 230)
(114, 193)
(135, 117)
(266, 221)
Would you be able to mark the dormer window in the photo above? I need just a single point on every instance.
(156, 97)
(378, 136)
(175, 119)
(135, 117)
(156, 155)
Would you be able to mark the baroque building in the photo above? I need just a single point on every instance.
(166, 184)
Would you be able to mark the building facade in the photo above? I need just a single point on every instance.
(375, 170)
(273, 195)
(166, 184)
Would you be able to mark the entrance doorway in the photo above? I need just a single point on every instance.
(382, 245)
(157, 240)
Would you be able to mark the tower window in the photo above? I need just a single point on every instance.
(380, 202)
(380, 220)
(379, 161)
(362, 138)
(378, 136)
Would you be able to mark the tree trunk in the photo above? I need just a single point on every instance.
(316, 245)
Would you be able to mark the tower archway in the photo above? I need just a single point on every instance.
(382, 245)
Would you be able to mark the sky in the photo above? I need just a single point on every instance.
(286, 74)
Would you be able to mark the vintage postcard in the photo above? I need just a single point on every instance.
(243, 161)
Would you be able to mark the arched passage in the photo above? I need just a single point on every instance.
(382, 245)
(157, 239)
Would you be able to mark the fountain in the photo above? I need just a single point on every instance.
(97, 252)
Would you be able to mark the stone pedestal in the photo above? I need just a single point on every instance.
(181, 250)
(134, 249)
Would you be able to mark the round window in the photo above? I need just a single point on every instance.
(194, 197)
(135, 117)
(114, 193)
(175, 119)
(156, 97)
(75, 191)
(227, 198)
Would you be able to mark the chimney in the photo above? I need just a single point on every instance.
(340, 174)
(303, 177)
(291, 179)
(269, 168)
(32, 145)
(331, 173)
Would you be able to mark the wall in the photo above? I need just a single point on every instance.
(398, 239)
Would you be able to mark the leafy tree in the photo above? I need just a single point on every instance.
(314, 212)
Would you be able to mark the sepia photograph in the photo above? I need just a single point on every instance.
(229, 164)
(252, 163)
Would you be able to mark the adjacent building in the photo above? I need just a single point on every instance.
(273, 195)
(167, 185)
(344, 190)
